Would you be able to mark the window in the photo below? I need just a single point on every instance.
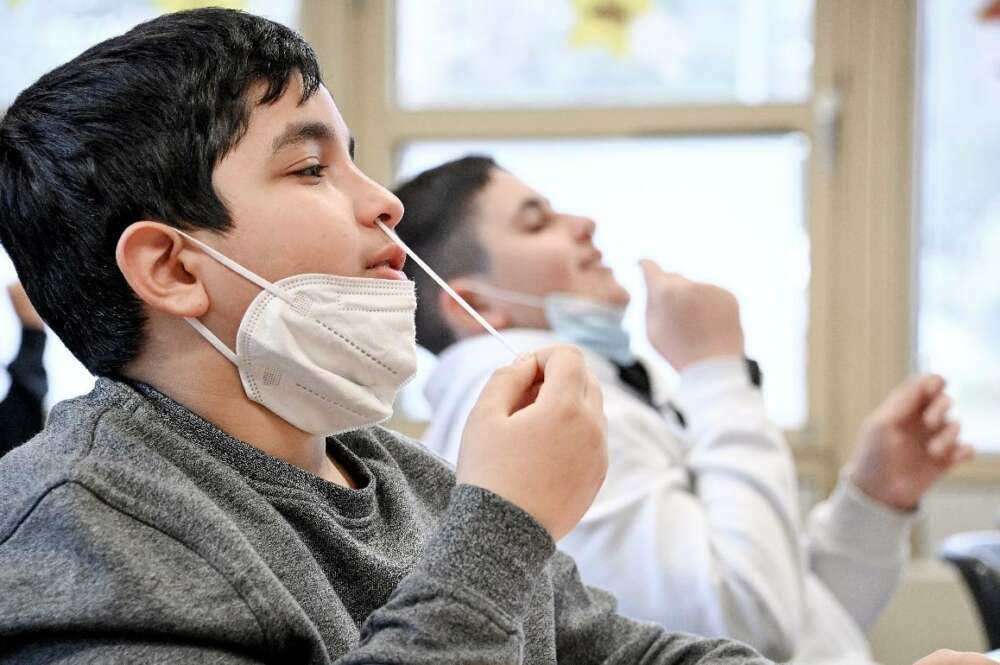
(958, 250)
(47, 33)
(531, 53)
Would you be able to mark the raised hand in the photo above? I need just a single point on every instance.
(907, 443)
(689, 321)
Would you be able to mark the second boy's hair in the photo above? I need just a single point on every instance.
(438, 205)
(131, 129)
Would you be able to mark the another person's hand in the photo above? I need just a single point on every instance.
(949, 657)
(907, 443)
(537, 438)
(689, 321)
(23, 308)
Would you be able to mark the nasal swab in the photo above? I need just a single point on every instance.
(450, 291)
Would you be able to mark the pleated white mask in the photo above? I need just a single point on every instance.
(328, 354)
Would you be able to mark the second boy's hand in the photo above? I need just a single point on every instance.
(689, 321)
(537, 437)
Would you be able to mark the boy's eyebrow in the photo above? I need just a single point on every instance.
(309, 130)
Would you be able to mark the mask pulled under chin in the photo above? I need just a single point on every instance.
(586, 322)
(328, 354)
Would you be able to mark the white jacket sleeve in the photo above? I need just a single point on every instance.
(858, 548)
(704, 538)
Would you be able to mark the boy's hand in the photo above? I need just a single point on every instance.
(689, 321)
(537, 437)
(907, 443)
(949, 657)
(22, 307)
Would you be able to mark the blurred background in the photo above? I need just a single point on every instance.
(833, 162)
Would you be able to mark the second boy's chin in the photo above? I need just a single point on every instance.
(618, 298)
(606, 290)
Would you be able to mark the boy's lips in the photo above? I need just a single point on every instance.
(388, 263)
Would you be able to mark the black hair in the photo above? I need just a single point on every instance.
(439, 204)
(131, 129)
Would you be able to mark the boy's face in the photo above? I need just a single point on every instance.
(536, 250)
(298, 204)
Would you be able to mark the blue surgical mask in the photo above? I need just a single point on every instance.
(588, 323)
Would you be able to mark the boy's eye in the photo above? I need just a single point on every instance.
(535, 223)
(314, 171)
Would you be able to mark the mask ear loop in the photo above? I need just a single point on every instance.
(239, 270)
(200, 327)
(212, 339)
(508, 296)
(450, 291)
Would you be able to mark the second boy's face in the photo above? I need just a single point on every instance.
(298, 204)
(535, 250)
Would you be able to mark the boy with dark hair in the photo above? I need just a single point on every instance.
(182, 206)
(696, 526)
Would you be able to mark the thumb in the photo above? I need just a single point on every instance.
(650, 269)
(909, 398)
(506, 390)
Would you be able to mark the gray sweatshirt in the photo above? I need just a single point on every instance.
(132, 530)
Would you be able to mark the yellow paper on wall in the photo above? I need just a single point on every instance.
(605, 23)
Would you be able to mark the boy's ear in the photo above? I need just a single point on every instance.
(162, 269)
(461, 322)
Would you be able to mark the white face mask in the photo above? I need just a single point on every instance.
(326, 353)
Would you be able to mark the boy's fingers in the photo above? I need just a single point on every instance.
(564, 373)
(650, 269)
(962, 453)
(942, 444)
(912, 395)
(935, 414)
(506, 389)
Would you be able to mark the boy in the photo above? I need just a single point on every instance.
(696, 526)
(183, 209)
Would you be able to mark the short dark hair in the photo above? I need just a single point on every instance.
(131, 129)
(438, 205)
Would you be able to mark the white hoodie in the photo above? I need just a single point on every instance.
(697, 527)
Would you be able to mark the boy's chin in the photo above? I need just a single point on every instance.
(612, 294)
(620, 297)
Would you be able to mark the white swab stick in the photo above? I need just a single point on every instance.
(450, 291)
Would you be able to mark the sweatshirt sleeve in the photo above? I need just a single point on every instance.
(707, 542)
(465, 601)
(27, 369)
(858, 547)
(743, 476)
(590, 631)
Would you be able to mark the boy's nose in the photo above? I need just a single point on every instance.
(583, 228)
(381, 205)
